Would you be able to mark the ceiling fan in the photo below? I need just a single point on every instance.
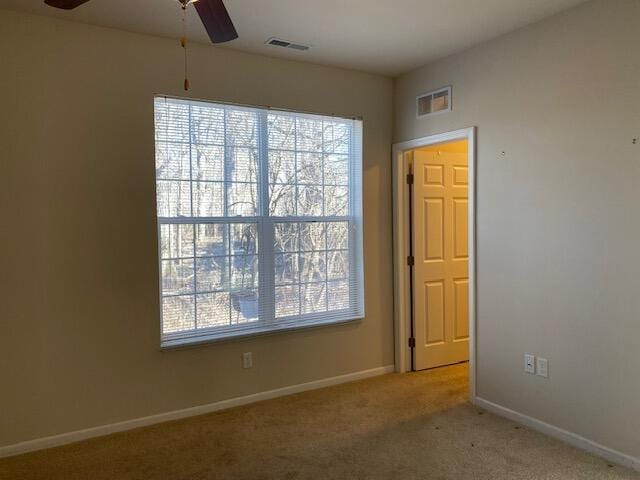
(213, 14)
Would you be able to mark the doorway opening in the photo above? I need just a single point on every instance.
(434, 252)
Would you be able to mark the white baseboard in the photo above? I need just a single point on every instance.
(563, 435)
(64, 438)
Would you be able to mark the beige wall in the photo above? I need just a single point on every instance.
(78, 290)
(558, 223)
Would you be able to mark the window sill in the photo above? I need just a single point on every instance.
(206, 338)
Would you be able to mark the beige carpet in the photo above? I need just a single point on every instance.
(412, 426)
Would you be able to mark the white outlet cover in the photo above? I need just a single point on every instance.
(247, 360)
(542, 367)
(529, 363)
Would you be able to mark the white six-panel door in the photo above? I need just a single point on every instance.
(441, 270)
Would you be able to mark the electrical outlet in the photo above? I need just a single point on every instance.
(247, 360)
(542, 367)
(529, 363)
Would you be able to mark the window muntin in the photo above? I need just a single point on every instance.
(259, 219)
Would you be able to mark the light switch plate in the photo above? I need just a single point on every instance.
(529, 363)
(542, 367)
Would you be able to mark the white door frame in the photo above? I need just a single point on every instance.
(401, 239)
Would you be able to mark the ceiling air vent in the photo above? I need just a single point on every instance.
(437, 101)
(278, 42)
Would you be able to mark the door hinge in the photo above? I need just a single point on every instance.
(412, 342)
(410, 179)
(411, 261)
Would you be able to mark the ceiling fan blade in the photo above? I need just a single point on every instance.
(216, 20)
(65, 4)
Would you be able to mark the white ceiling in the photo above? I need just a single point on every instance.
(379, 36)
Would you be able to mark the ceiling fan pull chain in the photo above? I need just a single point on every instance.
(183, 42)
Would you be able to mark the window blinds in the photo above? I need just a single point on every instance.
(259, 220)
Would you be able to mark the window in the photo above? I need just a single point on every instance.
(259, 220)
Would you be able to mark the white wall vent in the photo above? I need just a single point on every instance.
(278, 42)
(437, 101)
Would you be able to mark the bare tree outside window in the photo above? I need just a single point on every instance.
(258, 217)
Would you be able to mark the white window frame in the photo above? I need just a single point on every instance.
(265, 224)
